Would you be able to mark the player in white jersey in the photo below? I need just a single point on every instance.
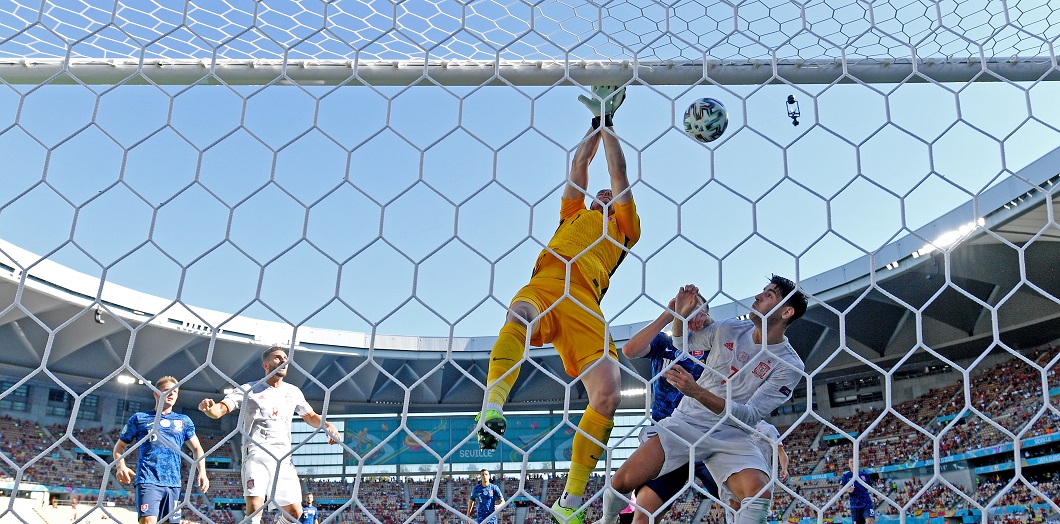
(749, 362)
(267, 409)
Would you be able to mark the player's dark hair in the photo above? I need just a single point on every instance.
(270, 351)
(792, 296)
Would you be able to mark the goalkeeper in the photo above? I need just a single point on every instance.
(585, 251)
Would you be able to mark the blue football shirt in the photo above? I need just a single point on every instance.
(662, 351)
(309, 515)
(159, 462)
(485, 498)
(860, 497)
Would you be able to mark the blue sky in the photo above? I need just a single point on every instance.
(434, 220)
(421, 210)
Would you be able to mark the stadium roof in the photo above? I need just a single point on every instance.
(989, 298)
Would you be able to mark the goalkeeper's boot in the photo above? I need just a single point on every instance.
(493, 421)
(562, 515)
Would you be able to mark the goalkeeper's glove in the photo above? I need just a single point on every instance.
(605, 101)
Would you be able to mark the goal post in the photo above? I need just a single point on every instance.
(59, 71)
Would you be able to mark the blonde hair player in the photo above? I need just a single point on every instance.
(164, 433)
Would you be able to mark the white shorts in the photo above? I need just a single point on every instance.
(725, 451)
(260, 475)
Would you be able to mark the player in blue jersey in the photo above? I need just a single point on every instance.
(662, 352)
(862, 510)
(163, 434)
(485, 496)
(309, 511)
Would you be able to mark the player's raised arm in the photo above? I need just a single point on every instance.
(683, 304)
(213, 409)
(639, 344)
(578, 181)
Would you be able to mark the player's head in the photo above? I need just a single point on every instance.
(309, 498)
(168, 386)
(603, 196)
(273, 358)
(780, 291)
(484, 475)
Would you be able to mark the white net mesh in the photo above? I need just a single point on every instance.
(372, 180)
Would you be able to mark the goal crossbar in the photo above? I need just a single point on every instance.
(33, 71)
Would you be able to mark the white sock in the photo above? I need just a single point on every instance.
(613, 505)
(570, 501)
(494, 405)
(256, 519)
(753, 510)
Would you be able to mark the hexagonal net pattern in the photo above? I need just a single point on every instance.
(366, 184)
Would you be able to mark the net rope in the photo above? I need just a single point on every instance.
(908, 110)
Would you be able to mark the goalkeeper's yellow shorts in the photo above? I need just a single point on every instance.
(575, 326)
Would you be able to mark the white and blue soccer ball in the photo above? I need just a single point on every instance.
(706, 119)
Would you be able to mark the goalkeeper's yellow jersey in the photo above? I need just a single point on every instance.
(580, 228)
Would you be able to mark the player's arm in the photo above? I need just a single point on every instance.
(214, 410)
(769, 396)
(314, 419)
(616, 167)
(200, 458)
(782, 459)
(847, 477)
(578, 181)
(471, 503)
(121, 470)
(641, 344)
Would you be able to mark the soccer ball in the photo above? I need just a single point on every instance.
(706, 119)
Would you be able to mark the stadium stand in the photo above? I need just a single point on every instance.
(1006, 396)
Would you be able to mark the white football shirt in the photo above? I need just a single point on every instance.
(266, 417)
(759, 377)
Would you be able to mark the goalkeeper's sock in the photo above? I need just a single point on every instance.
(584, 452)
(507, 353)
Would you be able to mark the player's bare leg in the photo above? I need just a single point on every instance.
(648, 502)
(291, 512)
(751, 487)
(253, 504)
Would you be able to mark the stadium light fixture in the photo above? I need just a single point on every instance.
(126, 379)
(632, 392)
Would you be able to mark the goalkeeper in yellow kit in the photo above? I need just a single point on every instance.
(585, 250)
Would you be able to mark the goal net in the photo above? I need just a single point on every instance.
(369, 182)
